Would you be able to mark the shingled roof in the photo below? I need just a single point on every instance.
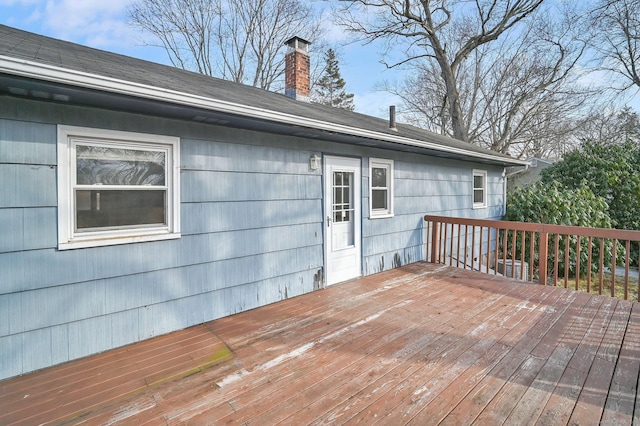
(29, 62)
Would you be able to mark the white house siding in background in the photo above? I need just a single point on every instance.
(252, 227)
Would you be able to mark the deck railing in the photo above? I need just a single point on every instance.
(589, 259)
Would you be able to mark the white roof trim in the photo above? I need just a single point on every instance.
(37, 70)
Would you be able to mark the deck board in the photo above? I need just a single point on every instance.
(422, 344)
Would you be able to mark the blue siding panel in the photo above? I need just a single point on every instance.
(203, 186)
(12, 230)
(209, 217)
(125, 328)
(23, 142)
(74, 266)
(12, 270)
(27, 185)
(124, 293)
(6, 301)
(37, 349)
(27, 228)
(89, 336)
(393, 259)
(12, 355)
(60, 344)
(236, 157)
(40, 228)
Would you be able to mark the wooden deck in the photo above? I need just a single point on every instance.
(422, 344)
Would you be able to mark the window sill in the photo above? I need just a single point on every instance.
(381, 216)
(479, 206)
(112, 241)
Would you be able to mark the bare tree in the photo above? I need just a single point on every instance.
(447, 31)
(518, 94)
(617, 37)
(611, 127)
(237, 40)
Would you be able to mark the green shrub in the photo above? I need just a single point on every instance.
(612, 171)
(552, 203)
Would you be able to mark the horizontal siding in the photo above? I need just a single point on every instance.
(203, 186)
(208, 217)
(202, 155)
(393, 259)
(27, 228)
(25, 185)
(72, 266)
(252, 232)
(23, 142)
(72, 303)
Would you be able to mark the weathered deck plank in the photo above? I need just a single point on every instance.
(422, 344)
(441, 407)
(593, 396)
(414, 391)
(560, 405)
(619, 408)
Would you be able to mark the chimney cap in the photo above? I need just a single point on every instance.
(298, 43)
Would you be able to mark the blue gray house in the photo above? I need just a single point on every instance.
(138, 199)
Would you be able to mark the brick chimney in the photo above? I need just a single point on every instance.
(297, 69)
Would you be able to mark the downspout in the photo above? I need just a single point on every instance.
(505, 178)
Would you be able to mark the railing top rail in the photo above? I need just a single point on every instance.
(619, 234)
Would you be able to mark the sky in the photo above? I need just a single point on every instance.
(102, 24)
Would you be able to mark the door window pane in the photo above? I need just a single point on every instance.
(342, 202)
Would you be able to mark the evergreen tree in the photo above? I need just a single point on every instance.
(330, 87)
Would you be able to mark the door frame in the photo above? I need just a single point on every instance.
(337, 163)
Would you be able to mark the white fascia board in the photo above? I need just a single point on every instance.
(54, 74)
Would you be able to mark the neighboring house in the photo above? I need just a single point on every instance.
(138, 199)
(522, 176)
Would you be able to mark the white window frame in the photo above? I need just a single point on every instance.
(386, 164)
(68, 238)
(483, 174)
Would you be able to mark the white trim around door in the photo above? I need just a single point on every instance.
(343, 218)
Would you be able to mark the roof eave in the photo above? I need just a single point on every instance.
(54, 74)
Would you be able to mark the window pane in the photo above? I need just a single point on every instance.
(118, 166)
(337, 178)
(347, 178)
(379, 199)
(478, 196)
(378, 177)
(98, 209)
(478, 182)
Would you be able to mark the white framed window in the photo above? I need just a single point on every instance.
(380, 188)
(116, 187)
(479, 189)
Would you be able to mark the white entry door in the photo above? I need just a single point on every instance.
(343, 217)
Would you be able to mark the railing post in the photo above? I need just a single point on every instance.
(542, 250)
(435, 242)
